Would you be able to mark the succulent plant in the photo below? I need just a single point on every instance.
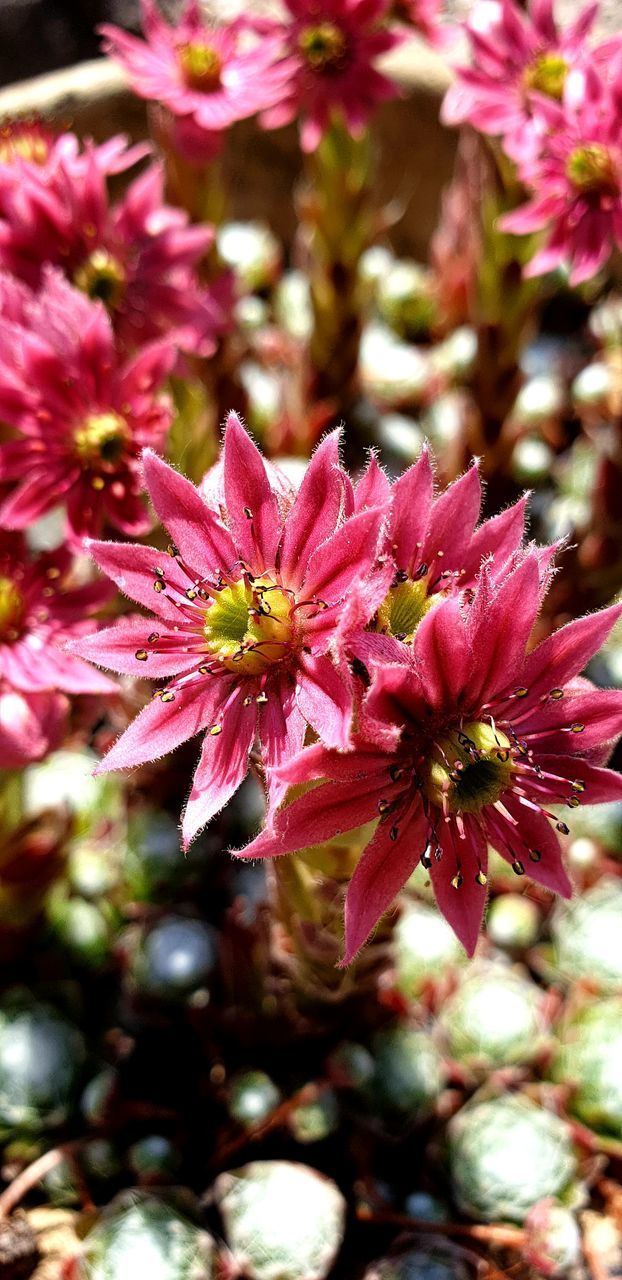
(589, 1058)
(586, 936)
(505, 1154)
(424, 947)
(41, 1059)
(432, 1261)
(252, 1097)
(408, 1073)
(493, 1019)
(282, 1221)
(174, 958)
(140, 1235)
(513, 921)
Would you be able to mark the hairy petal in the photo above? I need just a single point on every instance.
(162, 726)
(247, 490)
(222, 767)
(325, 698)
(315, 512)
(204, 543)
(382, 870)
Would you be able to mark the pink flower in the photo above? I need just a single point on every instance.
(83, 411)
(576, 180)
(39, 612)
(208, 74)
(434, 547)
(466, 742)
(244, 616)
(139, 257)
(518, 58)
(331, 51)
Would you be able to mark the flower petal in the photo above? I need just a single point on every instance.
(382, 870)
(252, 508)
(343, 557)
(325, 698)
(315, 512)
(116, 647)
(221, 769)
(204, 543)
(162, 726)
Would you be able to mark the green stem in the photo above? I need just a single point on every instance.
(337, 226)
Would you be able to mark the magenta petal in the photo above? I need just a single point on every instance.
(325, 699)
(116, 647)
(281, 726)
(319, 761)
(348, 553)
(315, 512)
(221, 769)
(534, 831)
(133, 568)
(326, 811)
(373, 488)
(252, 508)
(452, 520)
(500, 537)
(162, 726)
(601, 785)
(567, 652)
(500, 623)
(412, 504)
(444, 654)
(382, 870)
(549, 727)
(203, 542)
(462, 907)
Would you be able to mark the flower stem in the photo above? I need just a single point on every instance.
(337, 226)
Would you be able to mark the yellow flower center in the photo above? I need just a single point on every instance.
(102, 277)
(249, 626)
(201, 66)
(469, 769)
(22, 142)
(591, 169)
(100, 441)
(323, 47)
(547, 74)
(404, 608)
(11, 609)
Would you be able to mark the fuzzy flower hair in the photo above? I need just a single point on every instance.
(83, 412)
(40, 611)
(242, 614)
(206, 74)
(465, 742)
(330, 55)
(576, 181)
(520, 58)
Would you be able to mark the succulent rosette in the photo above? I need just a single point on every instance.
(466, 740)
(242, 616)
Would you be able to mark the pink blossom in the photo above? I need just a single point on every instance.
(424, 17)
(39, 611)
(433, 548)
(464, 743)
(83, 411)
(211, 75)
(518, 58)
(139, 257)
(331, 53)
(576, 181)
(244, 613)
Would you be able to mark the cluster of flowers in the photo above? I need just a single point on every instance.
(554, 100)
(313, 63)
(382, 621)
(98, 302)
